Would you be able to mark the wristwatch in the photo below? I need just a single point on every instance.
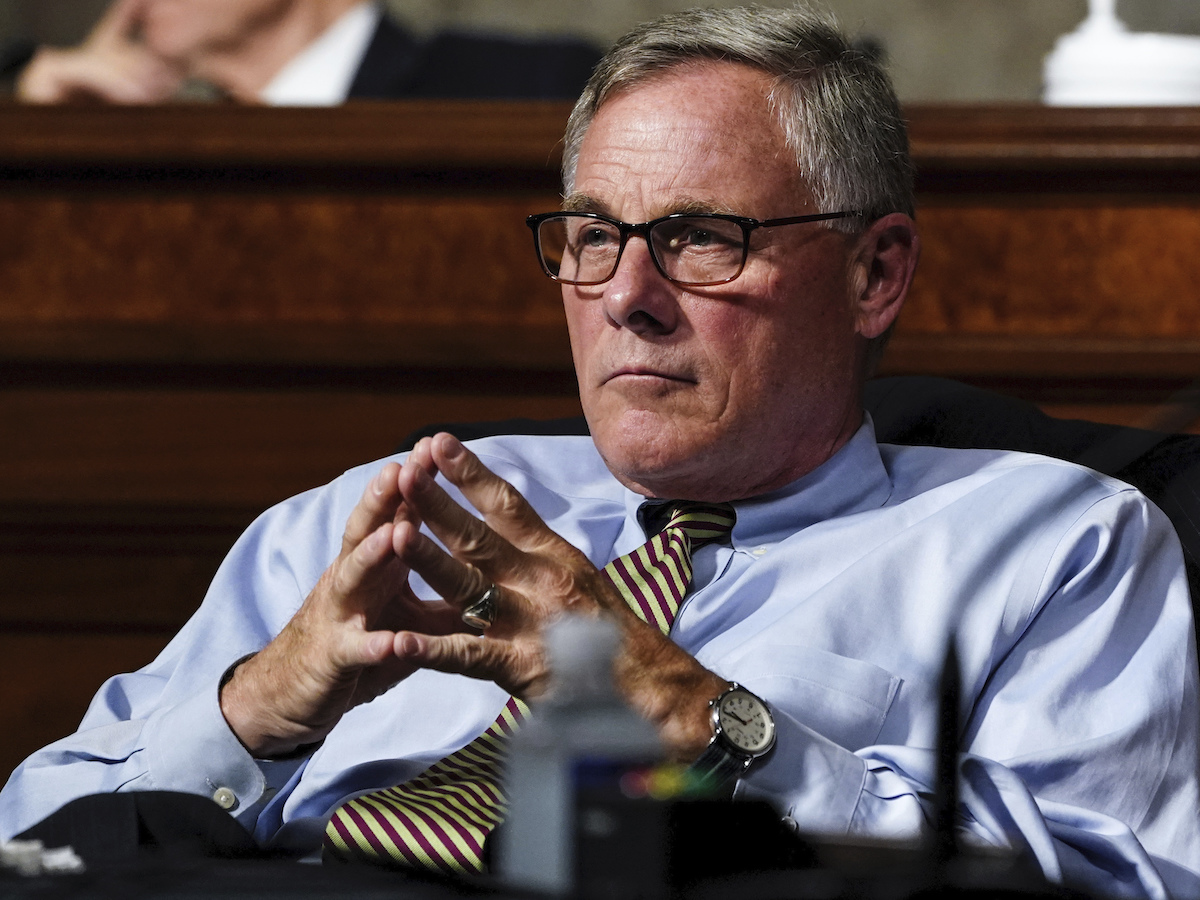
(743, 732)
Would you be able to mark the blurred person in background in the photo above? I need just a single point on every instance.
(293, 53)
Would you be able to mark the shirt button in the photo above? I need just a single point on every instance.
(224, 798)
(759, 551)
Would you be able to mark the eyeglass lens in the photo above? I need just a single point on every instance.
(690, 249)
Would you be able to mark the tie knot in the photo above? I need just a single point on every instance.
(703, 523)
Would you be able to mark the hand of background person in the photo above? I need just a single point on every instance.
(338, 650)
(539, 576)
(111, 66)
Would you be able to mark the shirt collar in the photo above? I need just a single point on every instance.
(320, 75)
(852, 480)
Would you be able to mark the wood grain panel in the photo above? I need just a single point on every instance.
(206, 234)
(433, 135)
(1000, 137)
(241, 449)
(136, 569)
(306, 353)
(1058, 268)
(994, 139)
(246, 260)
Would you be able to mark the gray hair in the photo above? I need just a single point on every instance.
(835, 103)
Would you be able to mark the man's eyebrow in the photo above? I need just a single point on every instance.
(695, 207)
(577, 202)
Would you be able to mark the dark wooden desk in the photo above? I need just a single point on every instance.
(206, 309)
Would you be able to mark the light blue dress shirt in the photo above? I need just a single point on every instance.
(1066, 590)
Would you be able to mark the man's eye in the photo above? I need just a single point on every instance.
(689, 237)
(697, 237)
(595, 237)
(586, 238)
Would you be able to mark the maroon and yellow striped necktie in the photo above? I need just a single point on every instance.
(441, 819)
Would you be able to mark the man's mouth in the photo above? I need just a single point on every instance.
(639, 373)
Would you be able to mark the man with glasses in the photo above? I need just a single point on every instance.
(736, 242)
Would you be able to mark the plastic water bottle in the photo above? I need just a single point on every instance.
(575, 775)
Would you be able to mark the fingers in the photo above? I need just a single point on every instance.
(296, 689)
(110, 72)
(377, 506)
(456, 582)
(540, 572)
(63, 76)
(460, 585)
(358, 649)
(467, 539)
(365, 561)
(382, 502)
(537, 573)
(378, 679)
(338, 649)
(141, 82)
(421, 458)
(500, 504)
(518, 668)
(407, 612)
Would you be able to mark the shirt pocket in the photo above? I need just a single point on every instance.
(845, 700)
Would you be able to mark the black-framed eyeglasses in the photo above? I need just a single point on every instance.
(689, 249)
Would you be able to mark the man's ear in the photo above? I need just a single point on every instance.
(883, 266)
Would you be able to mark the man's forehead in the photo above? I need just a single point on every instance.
(697, 138)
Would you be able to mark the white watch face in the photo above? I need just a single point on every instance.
(745, 722)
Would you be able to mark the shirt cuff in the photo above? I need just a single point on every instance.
(808, 778)
(191, 748)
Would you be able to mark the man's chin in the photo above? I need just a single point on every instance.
(655, 455)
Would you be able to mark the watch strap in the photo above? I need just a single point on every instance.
(718, 765)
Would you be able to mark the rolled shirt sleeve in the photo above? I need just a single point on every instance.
(161, 728)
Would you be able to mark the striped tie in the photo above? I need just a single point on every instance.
(440, 819)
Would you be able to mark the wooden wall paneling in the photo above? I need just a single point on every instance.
(453, 140)
(132, 568)
(207, 259)
(1058, 267)
(1058, 257)
(243, 449)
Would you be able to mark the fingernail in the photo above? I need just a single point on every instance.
(378, 484)
(380, 646)
(409, 644)
(452, 447)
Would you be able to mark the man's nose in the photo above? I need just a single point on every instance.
(638, 297)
